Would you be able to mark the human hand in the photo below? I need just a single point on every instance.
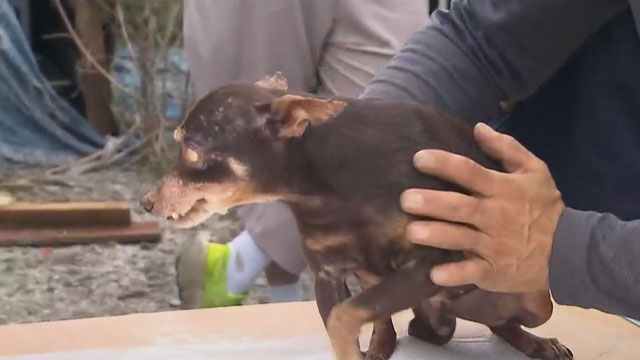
(506, 225)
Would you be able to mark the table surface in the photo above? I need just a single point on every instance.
(288, 331)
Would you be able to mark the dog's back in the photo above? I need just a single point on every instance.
(366, 152)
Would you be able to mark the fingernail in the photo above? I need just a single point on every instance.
(423, 158)
(409, 200)
(484, 128)
(439, 276)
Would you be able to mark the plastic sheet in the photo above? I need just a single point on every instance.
(37, 127)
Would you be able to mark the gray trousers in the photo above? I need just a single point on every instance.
(323, 46)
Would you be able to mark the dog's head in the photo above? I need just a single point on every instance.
(233, 143)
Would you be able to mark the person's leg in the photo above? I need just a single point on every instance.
(283, 285)
(248, 260)
(211, 275)
(246, 263)
(273, 227)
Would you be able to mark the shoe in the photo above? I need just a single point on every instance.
(201, 275)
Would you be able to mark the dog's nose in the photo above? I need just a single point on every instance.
(147, 204)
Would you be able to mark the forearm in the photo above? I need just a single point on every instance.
(484, 52)
(594, 263)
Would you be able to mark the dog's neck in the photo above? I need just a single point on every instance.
(294, 179)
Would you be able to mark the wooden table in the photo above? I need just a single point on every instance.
(287, 331)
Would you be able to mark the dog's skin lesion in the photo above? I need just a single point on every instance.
(341, 164)
(275, 81)
(239, 169)
(191, 156)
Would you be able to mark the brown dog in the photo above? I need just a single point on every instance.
(341, 164)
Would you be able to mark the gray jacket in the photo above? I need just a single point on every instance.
(486, 51)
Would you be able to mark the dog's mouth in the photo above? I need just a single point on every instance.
(196, 214)
(199, 204)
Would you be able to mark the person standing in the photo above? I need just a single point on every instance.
(327, 47)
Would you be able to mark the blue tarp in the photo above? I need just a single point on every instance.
(36, 125)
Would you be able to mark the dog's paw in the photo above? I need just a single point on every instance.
(551, 349)
(379, 352)
(421, 330)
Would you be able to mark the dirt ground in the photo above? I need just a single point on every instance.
(44, 284)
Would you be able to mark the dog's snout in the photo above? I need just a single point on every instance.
(147, 204)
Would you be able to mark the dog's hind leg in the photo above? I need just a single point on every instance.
(531, 345)
(530, 310)
(434, 320)
(505, 314)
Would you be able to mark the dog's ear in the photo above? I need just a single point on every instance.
(275, 81)
(290, 115)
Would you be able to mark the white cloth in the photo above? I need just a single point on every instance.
(334, 46)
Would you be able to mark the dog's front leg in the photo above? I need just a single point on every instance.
(383, 337)
(330, 259)
(330, 291)
(402, 290)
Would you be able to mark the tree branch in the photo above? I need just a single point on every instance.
(87, 54)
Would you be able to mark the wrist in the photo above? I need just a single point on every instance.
(555, 215)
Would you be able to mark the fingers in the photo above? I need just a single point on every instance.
(461, 273)
(506, 149)
(442, 205)
(445, 235)
(456, 169)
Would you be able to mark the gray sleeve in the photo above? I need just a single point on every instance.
(483, 52)
(595, 263)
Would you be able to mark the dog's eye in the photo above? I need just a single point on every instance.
(209, 169)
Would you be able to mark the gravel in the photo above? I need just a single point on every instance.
(44, 284)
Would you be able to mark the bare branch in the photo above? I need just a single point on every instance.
(186, 98)
(55, 36)
(174, 12)
(123, 27)
(87, 54)
(105, 7)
